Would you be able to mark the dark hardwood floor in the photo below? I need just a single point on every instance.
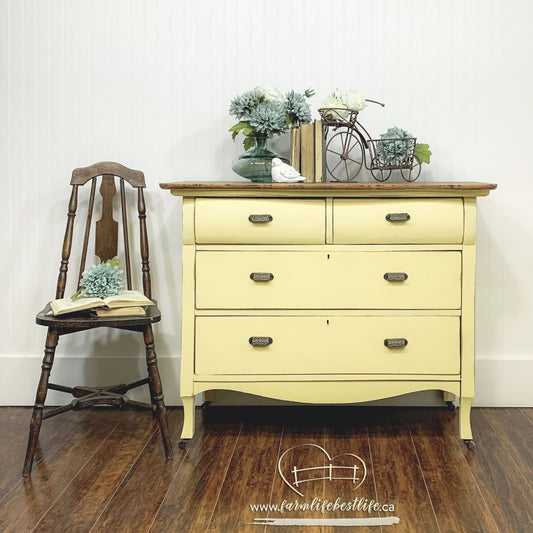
(105, 470)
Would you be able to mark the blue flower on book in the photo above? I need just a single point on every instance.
(101, 281)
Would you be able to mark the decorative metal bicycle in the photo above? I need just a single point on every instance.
(348, 146)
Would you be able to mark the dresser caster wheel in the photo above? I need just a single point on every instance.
(450, 406)
(470, 444)
(183, 443)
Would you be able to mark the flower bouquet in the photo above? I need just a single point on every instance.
(261, 113)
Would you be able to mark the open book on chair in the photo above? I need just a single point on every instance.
(110, 306)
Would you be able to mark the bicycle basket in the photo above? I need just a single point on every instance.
(338, 116)
(393, 153)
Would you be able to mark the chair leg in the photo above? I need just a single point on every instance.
(37, 416)
(156, 390)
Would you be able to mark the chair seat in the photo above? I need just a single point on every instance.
(84, 320)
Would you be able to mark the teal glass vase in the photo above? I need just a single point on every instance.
(256, 164)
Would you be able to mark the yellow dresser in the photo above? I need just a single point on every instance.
(328, 292)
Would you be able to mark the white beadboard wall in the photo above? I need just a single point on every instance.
(148, 84)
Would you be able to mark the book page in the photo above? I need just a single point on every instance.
(127, 299)
(67, 305)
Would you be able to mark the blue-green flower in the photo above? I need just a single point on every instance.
(268, 118)
(242, 106)
(298, 108)
(100, 281)
(264, 111)
(394, 151)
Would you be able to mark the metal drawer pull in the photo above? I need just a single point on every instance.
(260, 219)
(261, 276)
(398, 217)
(260, 341)
(395, 276)
(395, 343)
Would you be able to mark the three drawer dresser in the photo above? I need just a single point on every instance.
(328, 293)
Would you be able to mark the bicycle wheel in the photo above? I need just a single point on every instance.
(412, 172)
(343, 156)
(380, 174)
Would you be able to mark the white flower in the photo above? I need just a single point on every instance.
(337, 94)
(271, 93)
(333, 101)
(355, 101)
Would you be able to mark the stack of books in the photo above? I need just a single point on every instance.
(306, 150)
(126, 303)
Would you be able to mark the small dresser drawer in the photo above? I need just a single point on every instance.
(398, 221)
(327, 345)
(259, 221)
(335, 280)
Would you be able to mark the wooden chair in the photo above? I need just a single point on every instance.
(106, 247)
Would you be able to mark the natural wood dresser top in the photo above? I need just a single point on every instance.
(240, 188)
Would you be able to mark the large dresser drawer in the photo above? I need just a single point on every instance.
(327, 345)
(398, 221)
(259, 221)
(320, 280)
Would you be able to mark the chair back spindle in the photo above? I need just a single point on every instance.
(147, 283)
(67, 243)
(87, 230)
(125, 233)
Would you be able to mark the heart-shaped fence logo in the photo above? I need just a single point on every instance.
(304, 464)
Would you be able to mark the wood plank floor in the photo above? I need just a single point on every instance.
(105, 470)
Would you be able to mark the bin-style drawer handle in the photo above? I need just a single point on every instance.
(397, 217)
(260, 341)
(395, 343)
(395, 276)
(261, 276)
(260, 219)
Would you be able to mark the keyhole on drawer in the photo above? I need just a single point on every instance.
(328, 256)
(327, 322)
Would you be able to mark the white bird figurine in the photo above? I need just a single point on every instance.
(283, 173)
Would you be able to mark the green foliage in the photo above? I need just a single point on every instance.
(422, 152)
(249, 142)
(113, 262)
(241, 126)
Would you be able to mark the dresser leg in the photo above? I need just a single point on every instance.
(188, 417)
(465, 430)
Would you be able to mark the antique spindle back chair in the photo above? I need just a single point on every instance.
(106, 232)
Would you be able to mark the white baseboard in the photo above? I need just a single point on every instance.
(504, 382)
(499, 382)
